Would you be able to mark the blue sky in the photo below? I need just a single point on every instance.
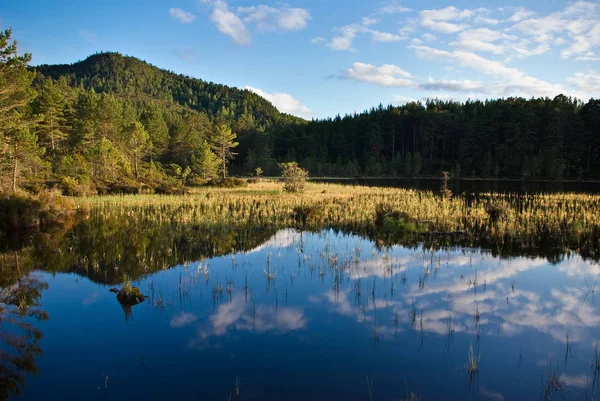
(318, 58)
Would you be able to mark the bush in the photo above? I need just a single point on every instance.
(168, 188)
(494, 211)
(123, 188)
(307, 214)
(19, 211)
(71, 187)
(195, 180)
(394, 221)
(229, 182)
(294, 177)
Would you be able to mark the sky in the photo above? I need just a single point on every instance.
(320, 58)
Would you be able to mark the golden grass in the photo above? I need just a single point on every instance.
(566, 219)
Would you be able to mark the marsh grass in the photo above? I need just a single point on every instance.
(528, 222)
(472, 365)
(129, 295)
(552, 384)
(369, 387)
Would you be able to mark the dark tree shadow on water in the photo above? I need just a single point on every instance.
(19, 338)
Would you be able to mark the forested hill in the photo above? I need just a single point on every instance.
(543, 138)
(116, 123)
(114, 73)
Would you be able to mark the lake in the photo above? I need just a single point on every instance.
(462, 186)
(318, 316)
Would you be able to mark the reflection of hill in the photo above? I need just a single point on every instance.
(105, 246)
(103, 249)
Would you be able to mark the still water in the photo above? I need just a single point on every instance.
(462, 186)
(325, 316)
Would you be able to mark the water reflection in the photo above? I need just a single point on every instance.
(20, 310)
(237, 315)
(305, 315)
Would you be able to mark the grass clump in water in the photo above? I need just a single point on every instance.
(130, 295)
(393, 221)
(472, 364)
(552, 384)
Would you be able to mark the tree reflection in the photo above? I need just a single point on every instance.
(20, 306)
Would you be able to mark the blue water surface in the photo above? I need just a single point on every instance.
(325, 317)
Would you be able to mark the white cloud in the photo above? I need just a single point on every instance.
(182, 16)
(284, 102)
(343, 41)
(345, 35)
(366, 21)
(229, 23)
(318, 39)
(439, 20)
(389, 75)
(586, 82)
(90, 37)
(520, 14)
(379, 36)
(269, 18)
(481, 39)
(454, 85)
(577, 26)
(394, 8)
(265, 18)
(402, 100)
(429, 37)
(186, 54)
(510, 81)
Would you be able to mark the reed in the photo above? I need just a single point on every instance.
(558, 221)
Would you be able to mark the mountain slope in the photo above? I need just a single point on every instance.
(124, 75)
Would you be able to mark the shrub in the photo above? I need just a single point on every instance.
(71, 187)
(229, 182)
(294, 177)
(494, 210)
(307, 214)
(394, 221)
(18, 211)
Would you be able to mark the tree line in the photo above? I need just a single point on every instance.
(537, 138)
(116, 123)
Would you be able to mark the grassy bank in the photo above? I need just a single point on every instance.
(515, 222)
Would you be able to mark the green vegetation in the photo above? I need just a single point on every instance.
(129, 295)
(20, 308)
(294, 177)
(546, 225)
(21, 210)
(115, 124)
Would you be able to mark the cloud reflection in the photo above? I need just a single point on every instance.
(238, 315)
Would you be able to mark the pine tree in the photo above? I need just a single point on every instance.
(24, 154)
(205, 163)
(222, 143)
(18, 145)
(50, 104)
(138, 146)
(15, 81)
(157, 130)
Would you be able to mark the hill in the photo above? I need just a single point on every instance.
(116, 123)
(124, 75)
